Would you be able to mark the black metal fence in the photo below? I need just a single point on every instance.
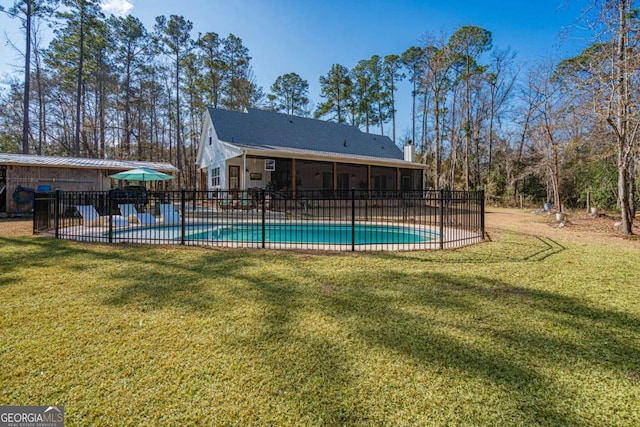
(359, 220)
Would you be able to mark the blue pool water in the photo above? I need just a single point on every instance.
(312, 233)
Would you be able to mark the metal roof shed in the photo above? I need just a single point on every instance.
(63, 173)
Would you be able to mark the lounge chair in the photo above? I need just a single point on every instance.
(169, 214)
(225, 203)
(130, 212)
(92, 218)
(245, 204)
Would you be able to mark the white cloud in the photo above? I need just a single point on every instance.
(117, 7)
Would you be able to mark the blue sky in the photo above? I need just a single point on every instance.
(307, 37)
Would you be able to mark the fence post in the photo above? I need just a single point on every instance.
(182, 214)
(482, 215)
(56, 215)
(109, 204)
(263, 201)
(405, 202)
(441, 219)
(366, 206)
(353, 220)
(34, 218)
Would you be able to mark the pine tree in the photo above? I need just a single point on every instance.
(241, 91)
(466, 46)
(69, 56)
(132, 45)
(412, 60)
(365, 90)
(390, 76)
(336, 87)
(210, 47)
(435, 79)
(175, 37)
(27, 11)
(290, 94)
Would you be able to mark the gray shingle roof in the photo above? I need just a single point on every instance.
(267, 129)
(82, 163)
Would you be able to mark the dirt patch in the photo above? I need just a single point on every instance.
(16, 227)
(577, 227)
(600, 224)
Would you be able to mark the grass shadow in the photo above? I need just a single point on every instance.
(458, 322)
(514, 248)
(432, 344)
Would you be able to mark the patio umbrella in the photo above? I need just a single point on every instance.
(141, 174)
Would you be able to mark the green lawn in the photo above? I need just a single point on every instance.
(520, 331)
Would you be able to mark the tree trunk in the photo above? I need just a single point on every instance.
(178, 136)
(413, 111)
(42, 124)
(393, 111)
(127, 107)
(453, 141)
(27, 81)
(423, 134)
(467, 137)
(102, 121)
(437, 141)
(556, 178)
(625, 146)
(76, 141)
(491, 119)
(381, 118)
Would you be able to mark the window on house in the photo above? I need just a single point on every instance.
(210, 136)
(215, 177)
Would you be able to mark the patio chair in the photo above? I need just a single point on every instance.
(91, 217)
(225, 203)
(169, 214)
(245, 204)
(130, 212)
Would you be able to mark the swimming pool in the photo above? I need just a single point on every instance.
(286, 233)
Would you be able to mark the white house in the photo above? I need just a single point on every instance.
(262, 149)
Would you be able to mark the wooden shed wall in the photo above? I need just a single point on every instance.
(66, 179)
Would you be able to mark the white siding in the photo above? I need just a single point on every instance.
(214, 153)
(257, 166)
